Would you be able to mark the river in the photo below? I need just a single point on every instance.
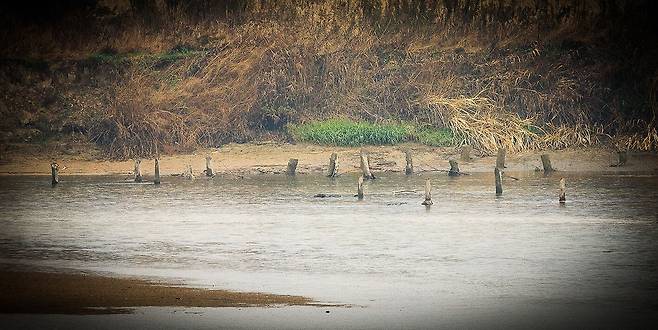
(470, 260)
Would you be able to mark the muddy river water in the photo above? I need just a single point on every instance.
(471, 260)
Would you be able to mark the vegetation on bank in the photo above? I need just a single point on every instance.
(165, 76)
(344, 132)
(349, 133)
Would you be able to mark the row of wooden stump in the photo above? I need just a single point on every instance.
(365, 169)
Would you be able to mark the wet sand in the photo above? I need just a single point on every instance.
(272, 158)
(79, 293)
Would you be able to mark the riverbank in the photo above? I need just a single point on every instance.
(272, 157)
(36, 292)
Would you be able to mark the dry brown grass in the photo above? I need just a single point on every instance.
(134, 124)
(576, 135)
(481, 124)
(492, 72)
(644, 141)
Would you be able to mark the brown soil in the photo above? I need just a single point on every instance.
(79, 293)
(272, 157)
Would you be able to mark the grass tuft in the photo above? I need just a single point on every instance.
(341, 132)
(344, 132)
(442, 137)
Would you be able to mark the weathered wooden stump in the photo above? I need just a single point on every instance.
(54, 173)
(333, 166)
(209, 171)
(499, 181)
(546, 163)
(428, 193)
(292, 166)
(623, 158)
(365, 166)
(466, 153)
(500, 158)
(138, 170)
(156, 176)
(454, 168)
(359, 188)
(563, 190)
(409, 169)
(189, 174)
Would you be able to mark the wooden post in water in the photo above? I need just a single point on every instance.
(292, 166)
(189, 174)
(359, 188)
(365, 166)
(54, 173)
(409, 169)
(209, 171)
(499, 181)
(428, 193)
(454, 168)
(466, 153)
(623, 157)
(563, 190)
(500, 159)
(333, 167)
(138, 170)
(546, 162)
(156, 177)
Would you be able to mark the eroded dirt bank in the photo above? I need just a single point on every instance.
(272, 157)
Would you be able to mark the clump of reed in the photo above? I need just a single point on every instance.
(479, 123)
(133, 125)
(576, 135)
(645, 141)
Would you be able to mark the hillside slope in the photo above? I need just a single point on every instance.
(145, 77)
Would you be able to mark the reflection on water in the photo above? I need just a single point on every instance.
(268, 233)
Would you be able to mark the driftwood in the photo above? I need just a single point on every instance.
(138, 170)
(54, 173)
(156, 177)
(333, 166)
(292, 166)
(428, 193)
(466, 153)
(321, 195)
(434, 169)
(365, 166)
(499, 181)
(400, 192)
(209, 171)
(546, 163)
(409, 169)
(511, 177)
(563, 189)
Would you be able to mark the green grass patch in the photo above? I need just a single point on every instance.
(343, 132)
(108, 56)
(349, 133)
(535, 129)
(442, 137)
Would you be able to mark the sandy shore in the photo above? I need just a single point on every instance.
(80, 293)
(272, 157)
